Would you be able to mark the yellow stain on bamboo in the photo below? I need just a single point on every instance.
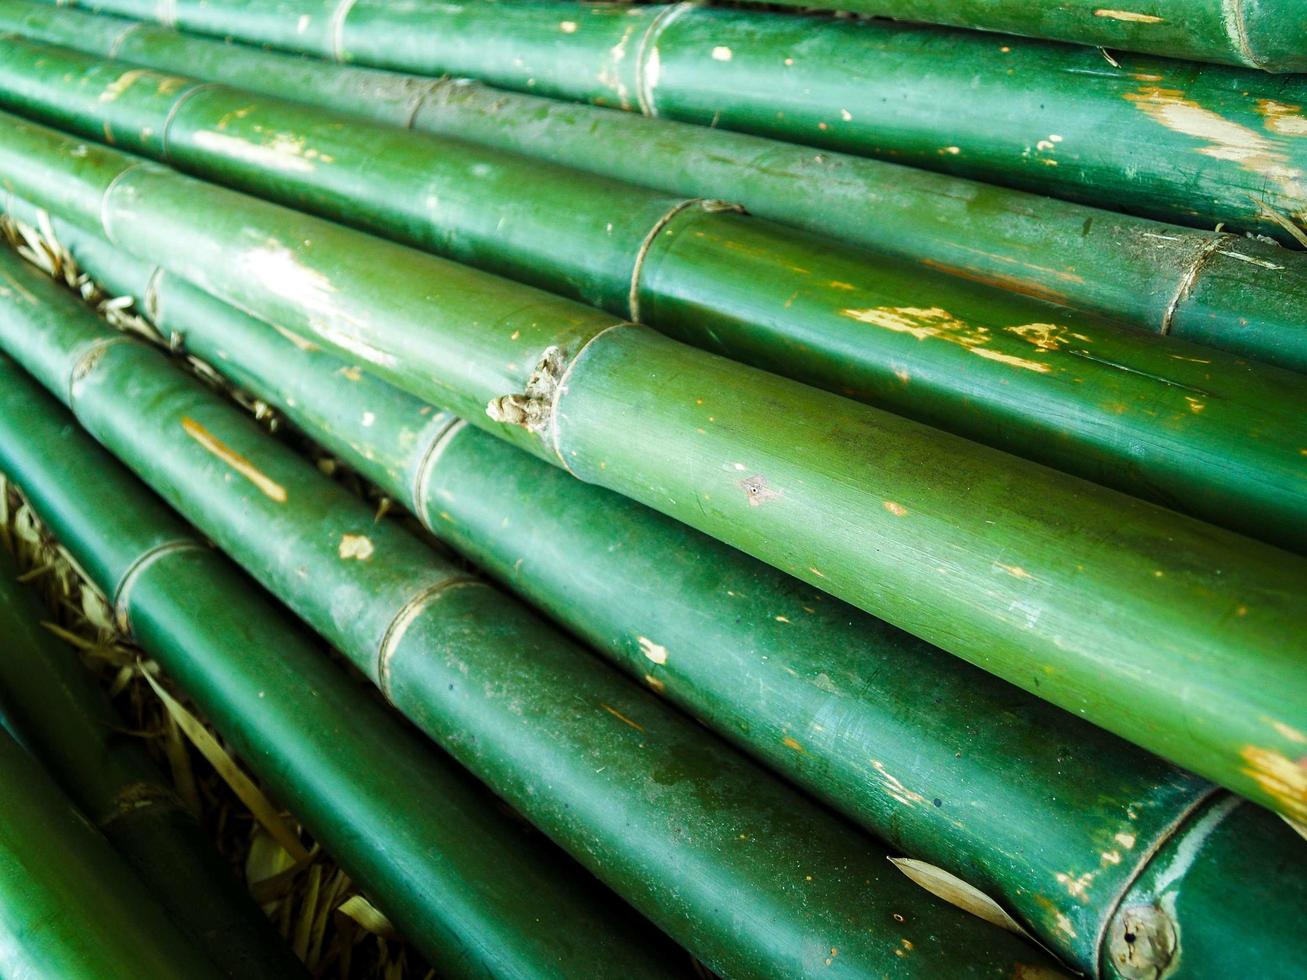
(1047, 336)
(1287, 731)
(281, 151)
(1226, 140)
(1076, 886)
(927, 323)
(1283, 119)
(122, 83)
(1016, 571)
(1283, 779)
(212, 444)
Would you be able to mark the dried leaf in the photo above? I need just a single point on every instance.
(368, 916)
(264, 812)
(308, 914)
(955, 891)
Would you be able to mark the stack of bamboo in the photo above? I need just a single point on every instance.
(886, 444)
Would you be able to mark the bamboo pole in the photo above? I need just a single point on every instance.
(58, 712)
(1088, 598)
(69, 906)
(1197, 145)
(1241, 295)
(1183, 882)
(436, 854)
(1202, 432)
(923, 752)
(1269, 36)
(744, 871)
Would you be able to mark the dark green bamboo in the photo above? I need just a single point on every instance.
(1181, 883)
(1091, 599)
(1266, 34)
(922, 752)
(744, 871)
(69, 907)
(53, 706)
(463, 881)
(1191, 428)
(1240, 295)
(1167, 139)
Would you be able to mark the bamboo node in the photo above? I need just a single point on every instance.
(407, 615)
(533, 408)
(87, 360)
(427, 466)
(121, 602)
(706, 205)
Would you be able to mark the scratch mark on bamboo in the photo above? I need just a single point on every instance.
(1250, 260)
(622, 718)
(894, 786)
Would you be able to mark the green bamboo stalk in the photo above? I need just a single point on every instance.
(743, 870)
(1166, 139)
(438, 856)
(1268, 35)
(56, 710)
(922, 754)
(1147, 275)
(69, 906)
(1180, 883)
(1088, 598)
(1196, 430)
